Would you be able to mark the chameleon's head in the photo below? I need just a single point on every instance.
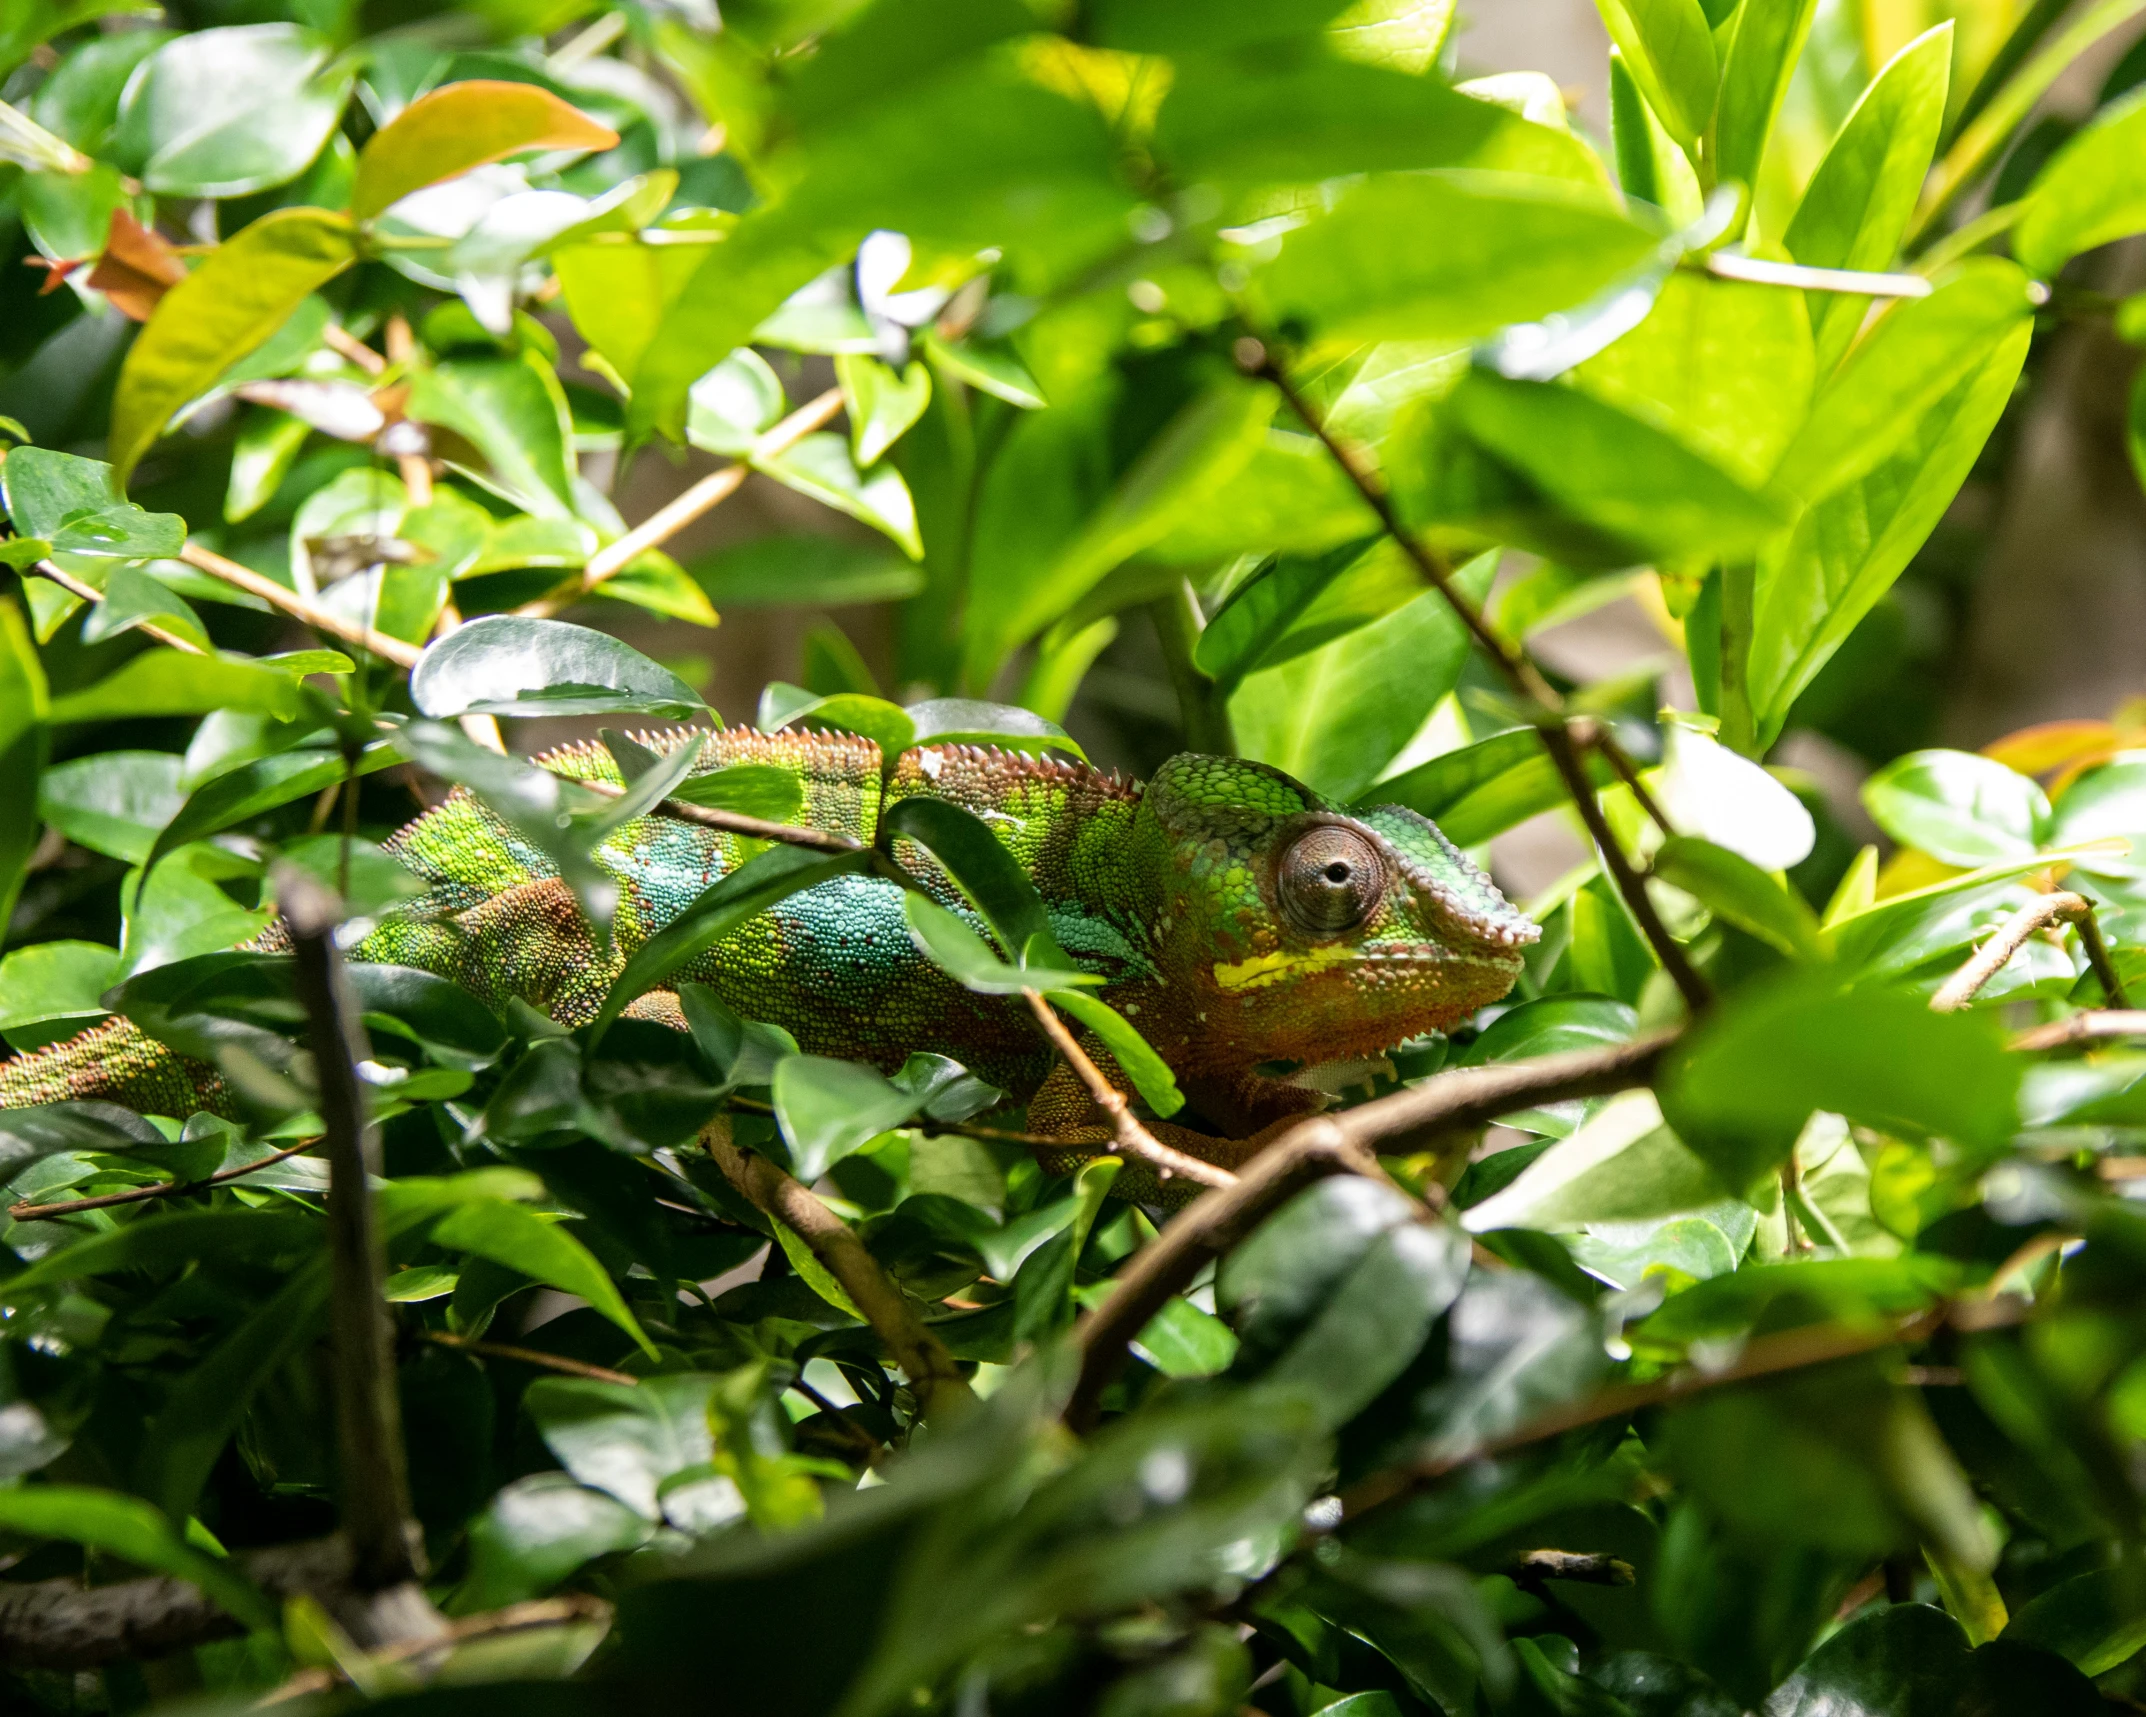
(1305, 933)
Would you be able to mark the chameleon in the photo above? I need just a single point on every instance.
(1254, 932)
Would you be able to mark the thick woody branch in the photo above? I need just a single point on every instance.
(671, 518)
(1987, 961)
(1132, 1137)
(1328, 1145)
(299, 607)
(917, 1349)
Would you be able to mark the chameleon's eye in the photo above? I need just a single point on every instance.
(1331, 880)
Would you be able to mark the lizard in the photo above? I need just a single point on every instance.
(1252, 930)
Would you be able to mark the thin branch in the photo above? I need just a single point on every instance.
(917, 1349)
(1760, 272)
(299, 607)
(90, 593)
(1988, 960)
(488, 1624)
(1565, 756)
(345, 344)
(375, 1491)
(1254, 359)
(1321, 1146)
(671, 518)
(2098, 960)
(735, 822)
(1589, 734)
(162, 1189)
(1132, 1137)
(1766, 1356)
(1582, 1567)
(2087, 1027)
(529, 1356)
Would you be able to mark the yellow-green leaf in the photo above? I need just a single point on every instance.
(243, 292)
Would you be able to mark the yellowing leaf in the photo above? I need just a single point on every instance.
(462, 126)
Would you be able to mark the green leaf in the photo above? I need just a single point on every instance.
(164, 682)
(1900, 372)
(625, 1439)
(1297, 605)
(1816, 585)
(989, 366)
(819, 571)
(133, 598)
(715, 912)
(242, 794)
(114, 802)
(2092, 1619)
(1738, 891)
(1273, 1286)
(1904, 931)
(1481, 790)
(764, 790)
(460, 126)
(830, 1109)
(1855, 211)
(1743, 1085)
(1768, 42)
(71, 503)
(1207, 24)
(1136, 1058)
(1726, 368)
(1958, 807)
(133, 1530)
(734, 404)
(882, 402)
(984, 868)
(516, 1236)
(2091, 193)
(1670, 50)
(1324, 119)
(513, 412)
(225, 113)
(55, 980)
(950, 944)
(1183, 1341)
(504, 664)
(820, 466)
(1548, 468)
(535, 1533)
(1336, 716)
(241, 293)
(1622, 1164)
(1413, 257)
(23, 747)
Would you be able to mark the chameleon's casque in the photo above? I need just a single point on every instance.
(1248, 927)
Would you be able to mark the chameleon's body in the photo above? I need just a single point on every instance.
(1208, 900)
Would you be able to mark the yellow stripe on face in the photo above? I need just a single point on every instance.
(1264, 969)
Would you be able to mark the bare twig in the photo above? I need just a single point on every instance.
(1520, 673)
(415, 467)
(2087, 1027)
(375, 1490)
(1125, 1126)
(489, 1624)
(163, 1189)
(1583, 1567)
(1766, 1356)
(671, 518)
(1565, 756)
(1725, 266)
(2062, 907)
(530, 1356)
(2098, 961)
(299, 607)
(345, 344)
(1589, 734)
(1321, 1146)
(735, 822)
(917, 1349)
(89, 593)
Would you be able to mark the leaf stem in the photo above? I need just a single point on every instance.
(299, 607)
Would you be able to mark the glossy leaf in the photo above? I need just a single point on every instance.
(1763, 52)
(1736, 890)
(507, 665)
(1136, 1058)
(163, 682)
(224, 113)
(72, 505)
(829, 1109)
(1621, 1165)
(115, 803)
(2091, 193)
(460, 126)
(1670, 49)
(512, 1234)
(129, 1528)
(1955, 806)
